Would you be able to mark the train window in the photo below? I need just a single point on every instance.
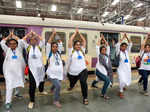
(148, 41)
(59, 35)
(136, 40)
(77, 38)
(112, 39)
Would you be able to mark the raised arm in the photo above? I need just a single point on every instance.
(52, 36)
(125, 35)
(122, 39)
(104, 40)
(98, 41)
(71, 39)
(3, 43)
(144, 42)
(83, 40)
(27, 35)
(14, 36)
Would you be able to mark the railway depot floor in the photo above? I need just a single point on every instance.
(72, 101)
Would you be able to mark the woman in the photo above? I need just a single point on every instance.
(103, 66)
(55, 68)
(102, 42)
(124, 69)
(77, 67)
(144, 69)
(36, 66)
(13, 66)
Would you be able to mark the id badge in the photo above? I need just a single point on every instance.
(126, 60)
(79, 57)
(14, 57)
(34, 56)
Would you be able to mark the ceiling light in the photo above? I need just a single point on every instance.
(141, 19)
(132, 0)
(53, 8)
(39, 15)
(80, 11)
(139, 5)
(105, 14)
(115, 2)
(127, 17)
(18, 4)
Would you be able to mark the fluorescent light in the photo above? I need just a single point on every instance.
(115, 2)
(39, 14)
(141, 19)
(105, 14)
(80, 10)
(18, 4)
(53, 8)
(139, 5)
(127, 17)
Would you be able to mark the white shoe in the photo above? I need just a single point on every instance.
(145, 93)
(43, 93)
(30, 105)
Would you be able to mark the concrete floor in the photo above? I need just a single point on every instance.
(72, 101)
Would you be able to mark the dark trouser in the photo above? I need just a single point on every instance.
(145, 74)
(83, 82)
(141, 78)
(32, 86)
(105, 79)
(94, 82)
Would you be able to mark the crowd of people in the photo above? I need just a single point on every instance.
(15, 64)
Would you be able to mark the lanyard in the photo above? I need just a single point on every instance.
(125, 54)
(56, 57)
(78, 53)
(14, 52)
(33, 50)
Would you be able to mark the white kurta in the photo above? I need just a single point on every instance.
(124, 69)
(99, 66)
(36, 65)
(76, 65)
(54, 71)
(13, 68)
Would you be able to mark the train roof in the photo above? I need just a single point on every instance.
(37, 21)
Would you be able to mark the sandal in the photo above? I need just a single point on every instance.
(121, 95)
(105, 97)
(85, 102)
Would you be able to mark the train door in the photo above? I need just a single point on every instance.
(112, 39)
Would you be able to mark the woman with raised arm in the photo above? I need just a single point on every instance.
(13, 66)
(144, 69)
(124, 69)
(103, 66)
(77, 66)
(101, 42)
(55, 68)
(36, 66)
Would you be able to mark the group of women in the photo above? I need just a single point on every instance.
(14, 65)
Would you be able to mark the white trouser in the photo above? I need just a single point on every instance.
(9, 93)
(122, 85)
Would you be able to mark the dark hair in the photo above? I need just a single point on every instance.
(122, 44)
(102, 48)
(8, 41)
(75, 42)
(53, 44)
(146, 45)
